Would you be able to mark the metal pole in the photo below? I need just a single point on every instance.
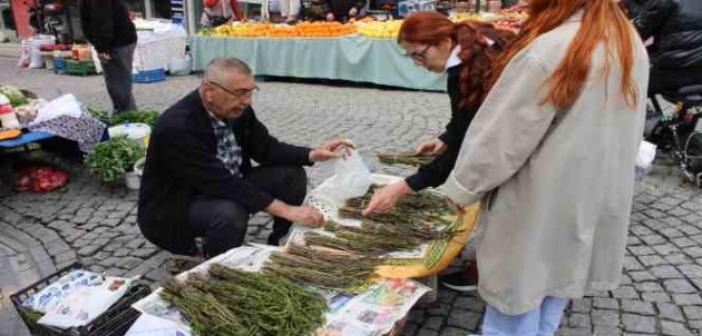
(191, 21)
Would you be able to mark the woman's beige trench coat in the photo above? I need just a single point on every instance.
(556, 185)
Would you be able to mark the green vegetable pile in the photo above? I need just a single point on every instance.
(148, 117)
(112, 158)
(14, 94)
(407, 159)
(231, 302)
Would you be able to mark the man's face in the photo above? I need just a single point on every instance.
(230, 98)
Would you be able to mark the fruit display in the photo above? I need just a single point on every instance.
(509, 19)
(380, 29)
(267, 30)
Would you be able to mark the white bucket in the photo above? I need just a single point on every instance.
(132, 180)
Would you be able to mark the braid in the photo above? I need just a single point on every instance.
(477, 58)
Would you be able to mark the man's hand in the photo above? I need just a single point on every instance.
(433, 147)
(305, 214)
(353, 11)
(387, 197)
(334, 149)
(330, 16)
(104, 56)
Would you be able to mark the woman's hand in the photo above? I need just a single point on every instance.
(432, 147)
(387, 197)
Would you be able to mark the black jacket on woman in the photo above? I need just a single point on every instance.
(436, 172)
(182, 164)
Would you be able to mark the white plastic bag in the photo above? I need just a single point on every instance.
(644, 159)
(65, 105)
(52, 295)
(85, 304)
(351, 179)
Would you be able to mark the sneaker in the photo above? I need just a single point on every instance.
(465, 280)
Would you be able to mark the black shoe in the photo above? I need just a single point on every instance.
(465, 280)
(458, 282)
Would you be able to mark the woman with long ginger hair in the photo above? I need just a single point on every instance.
(467, 52)
(551, 155)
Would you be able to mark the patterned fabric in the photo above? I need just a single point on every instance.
(86, 130)
(228, 151)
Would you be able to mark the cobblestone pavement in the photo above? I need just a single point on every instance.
(96, 225)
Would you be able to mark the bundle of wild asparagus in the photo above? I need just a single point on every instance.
(408, 159)
(321, 268)
(406, 227)
(235, 303)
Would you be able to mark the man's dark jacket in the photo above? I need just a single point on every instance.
(676, 26)
(106, 24)
(341, 8)
(182, 164)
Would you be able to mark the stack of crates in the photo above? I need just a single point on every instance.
(80, 68)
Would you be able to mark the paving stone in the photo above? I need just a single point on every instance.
(632, 264)
(606, 303)
(471, 303)
(683, 242)
(652, 260)
(674, 329)
(693, 251)
(565, 331)
(159, 275)
(693, 312)
(57, 246)
(678, 259)
(640, 230)
(639, 276)
(655, 297)
(652, 213)
(671, 233)
(625, 292)
(66, 257)
(579, 321)
(409, 329)
(666, 249)
(464, 319)
(637, 307)
(607, 331)
(427, 332)
(649, 287)
(633, 241)
(665, 272)
(111, 222)
(638, 323)
(88, 250)
(679, 286)
(109, 262)
(641, 250)
(670, 311)
(687, 299)
(121, 252)
(144, 252)
(689, 230)
(605, 317)
(695, 324)
(128, 262)
(440, 309)
(691, 271)
(581, 305)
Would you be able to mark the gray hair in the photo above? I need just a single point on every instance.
(221, 67)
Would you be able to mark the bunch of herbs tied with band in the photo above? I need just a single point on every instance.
(343, 257)
(230, 302)
(407, 159)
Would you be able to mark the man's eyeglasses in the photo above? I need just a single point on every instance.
(236, 93)
(419, 55)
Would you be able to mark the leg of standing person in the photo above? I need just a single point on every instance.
(285, 10)
(221, 222)
(285, 183)
(295, 6)
(542, 321)
(118, 78)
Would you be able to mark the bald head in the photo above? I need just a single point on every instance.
(220, 69)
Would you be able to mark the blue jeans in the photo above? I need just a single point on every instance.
(542, 321)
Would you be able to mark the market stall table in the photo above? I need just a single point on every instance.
(351, 58)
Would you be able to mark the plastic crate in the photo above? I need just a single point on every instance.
(59, 65)
(116, 321)
(80, 68)
(149, 76)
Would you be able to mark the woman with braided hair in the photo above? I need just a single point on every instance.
(466, 51)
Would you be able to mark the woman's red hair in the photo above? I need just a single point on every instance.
(477, 53)
(603, 22)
